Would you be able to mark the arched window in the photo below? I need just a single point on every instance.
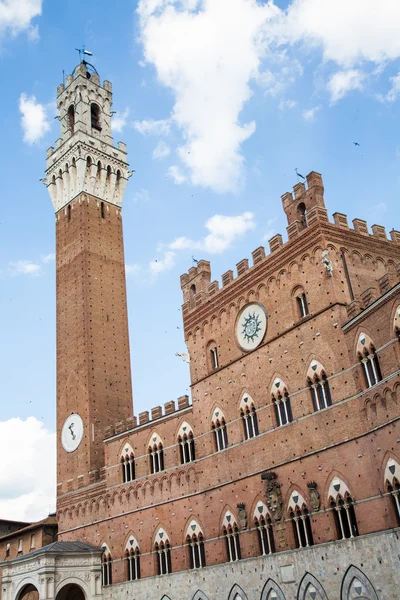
(281, 400)
(302, 215)
(69, 212)
(71, 118)
(186, 444)
(106, 566)
(263, 524)
(214, 357)
(195, 542)
(132, 558)
(392, 478)
(156, 453)
(231, 533)
(319, 386)
(249, 417)
(369, 360)
(162, 548)
(219, 429)
(103, 214)
(396, 323)
(95, 116)
(302, 305)
(299, 514)
(343, 509)
(128, 464)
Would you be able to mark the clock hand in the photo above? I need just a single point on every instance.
(72, 433)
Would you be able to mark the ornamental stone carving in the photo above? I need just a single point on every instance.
(242, 516)
(314, 496)
(274, 495)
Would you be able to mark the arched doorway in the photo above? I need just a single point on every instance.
(28, 592)
(71, 591)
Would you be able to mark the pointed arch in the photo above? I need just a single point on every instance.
(317, 381)
(392, 484)
(132, 558)
(263, 523)
(162, 548)
(127, 460)
(369, 360)
(281, 400)
(272, 591)
(342, 505)
(237, 593)
(230, 530)
(195, 542)
(248, 414)
(218, 425)
(156, 453)
(199, 595)
(310, 584)
(186, 443)
(355, 581)
(106, 565)
(299, 514)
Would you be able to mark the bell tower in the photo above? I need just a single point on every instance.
(86, 177)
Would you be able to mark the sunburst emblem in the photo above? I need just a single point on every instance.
(251, 327)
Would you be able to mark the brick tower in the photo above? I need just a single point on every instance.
(86, 177)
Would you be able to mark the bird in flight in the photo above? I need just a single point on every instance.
(356, 143)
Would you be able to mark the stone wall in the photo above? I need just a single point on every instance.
(366, 567)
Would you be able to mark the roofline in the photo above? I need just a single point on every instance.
(371, 307)
(30, 527)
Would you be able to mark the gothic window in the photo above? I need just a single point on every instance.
(106, 566)
(69, 212)
(214, 358)
(220, 431)
(186, 444)
(195, 542)
(369, 360)
(95, 116)
(302, 305)
(249, 417)
(319, 386)
(396, 323)
(302, 215)
(162, 549)
(127, 464)
(132, 559)
(156, 454)
(300, 517)
(263, 524)
(281, 400)
(231, 533)
(392, 478)
(103, 216)
(71, 118)
(342, 506)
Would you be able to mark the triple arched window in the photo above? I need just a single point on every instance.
(132, 558)
(369, 360)
(231, 533)
(249, 417)
(392, 484)
(300, 516)
(342, 506)
(263, 524)
(186, 444)
(281, 400)
(162, 548)
(156, 454)
(219, 429)
(195, 542)
(319, 386)
(106, 566)
(127, 464)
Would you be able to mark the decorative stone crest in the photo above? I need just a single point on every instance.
(274, 495)
(327, 263)
(242, 516)
(313, 494)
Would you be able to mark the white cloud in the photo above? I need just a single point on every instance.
(394, 91)
(153, 127)
(310, 113)
(17, 15)
(24, 495)
(34, 120)
(24, 267)
(119, 120)
(47, 258)
(175, 172)
(287, 104)
(270, 232)
(343, 82)
(223, 232)
(161, 150)
(207, 53)
(141, 195)
(166, 263)
(132, 269)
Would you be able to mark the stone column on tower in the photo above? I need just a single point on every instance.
(86, 177)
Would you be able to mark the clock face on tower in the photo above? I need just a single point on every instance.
(72, 432)
(251, 326)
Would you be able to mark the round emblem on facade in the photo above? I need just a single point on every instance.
(251, 326)
(72, 432)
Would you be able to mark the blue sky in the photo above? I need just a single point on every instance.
(218, 101)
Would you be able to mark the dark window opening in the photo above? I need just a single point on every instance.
(95, 116)
(214, 358)
(320, 392)
(395, 491)
(345, 518)
(265, 536)
(302, 305)
(186, 448)
(133, 564)
(103, 216)
(71, 118)
(197, 554)
(250, 422)
(232, 543)
(302, 215)
(302, 528)
(163, 558)
(371, 367)
(283, 409)
(156, 458)
(220, 435)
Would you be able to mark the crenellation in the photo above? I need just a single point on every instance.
(369, 296)
(258, 255)
(169, 407)
(275, 243)
(293, 230)
(340, 220)
(360, 226)
(213, 288)
(317, 213)
(183, 402)
(379, 232)
(242, 266)
(156, 413)
(143, 417)
(299, 189)
(227, 278)
(395, 236)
